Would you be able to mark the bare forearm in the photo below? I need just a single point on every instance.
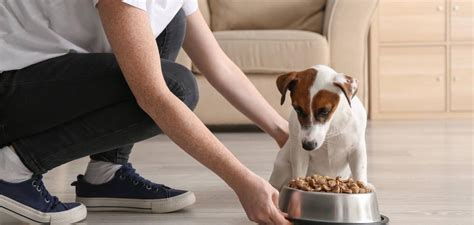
(234, 85)
(199, 142)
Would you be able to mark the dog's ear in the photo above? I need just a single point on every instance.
(286, 82)
(348, 85)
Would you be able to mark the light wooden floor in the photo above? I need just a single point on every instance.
(423, 171)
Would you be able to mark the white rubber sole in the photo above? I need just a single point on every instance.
(139, 205)
(30, 215)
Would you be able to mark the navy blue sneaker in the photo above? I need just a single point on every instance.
(128, 191)
(29, 201)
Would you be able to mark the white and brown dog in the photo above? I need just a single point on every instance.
(327, 127)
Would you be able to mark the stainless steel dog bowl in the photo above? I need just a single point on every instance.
(317, 208)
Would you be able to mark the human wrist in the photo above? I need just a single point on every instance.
(240, 179)
(280, 132)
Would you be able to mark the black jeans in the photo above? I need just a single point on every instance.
(77, 105)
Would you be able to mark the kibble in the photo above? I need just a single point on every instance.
(318, 183)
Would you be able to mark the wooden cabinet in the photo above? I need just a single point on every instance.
(462, 82)
(397, 18)
(414, 72)
(462, 20)
(421, 59)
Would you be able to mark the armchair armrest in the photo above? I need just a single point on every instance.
(346, 27)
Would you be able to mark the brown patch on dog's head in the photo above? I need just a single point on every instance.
(324, 104)
(299, 84)
(303, 79)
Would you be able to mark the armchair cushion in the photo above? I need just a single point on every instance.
(273, 51)
(267, 14)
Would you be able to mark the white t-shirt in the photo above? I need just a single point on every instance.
(32, 31)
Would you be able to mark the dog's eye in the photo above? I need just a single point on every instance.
(300, 112)
(324, 112)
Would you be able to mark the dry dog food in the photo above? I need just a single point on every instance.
(319, 183)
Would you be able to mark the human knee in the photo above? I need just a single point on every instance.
(190, 85)
(182, 83)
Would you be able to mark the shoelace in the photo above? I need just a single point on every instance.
(127, 171)
(38, 184)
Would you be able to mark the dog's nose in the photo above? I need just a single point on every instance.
(309, 145)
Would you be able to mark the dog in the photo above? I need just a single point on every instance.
(326, 127)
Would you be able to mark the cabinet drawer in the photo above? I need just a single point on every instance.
(412, 79)
(412, 20)
(462, 72)
(462, 19)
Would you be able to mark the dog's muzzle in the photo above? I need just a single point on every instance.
(309, 145)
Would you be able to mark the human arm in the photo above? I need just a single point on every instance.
(129, 33)
(229, 80)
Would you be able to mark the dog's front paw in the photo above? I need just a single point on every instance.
(371, 186)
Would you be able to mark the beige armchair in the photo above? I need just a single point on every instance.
(268, 37)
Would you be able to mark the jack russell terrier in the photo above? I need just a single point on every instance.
(327, 127)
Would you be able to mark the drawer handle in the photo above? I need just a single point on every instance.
(440, 8)
(455, 8)
(438, 79)
(455, 79)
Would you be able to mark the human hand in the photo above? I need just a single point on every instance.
(260, 200)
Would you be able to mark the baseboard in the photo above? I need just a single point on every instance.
(234, 128)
